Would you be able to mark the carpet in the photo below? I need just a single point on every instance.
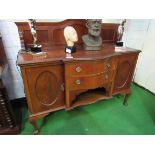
(107, 117)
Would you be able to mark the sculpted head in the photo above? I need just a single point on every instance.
(70, 35)
(94, 27)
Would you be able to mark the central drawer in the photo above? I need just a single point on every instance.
(89, 82)
(85, 68)
(88, 68)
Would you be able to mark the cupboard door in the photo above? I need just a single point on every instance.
(125, 71)
(45, 86)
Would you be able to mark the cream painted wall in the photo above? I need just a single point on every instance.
(140, 34)
(11, 41)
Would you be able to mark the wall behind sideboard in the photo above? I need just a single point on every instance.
(140, 34)
(11, 42)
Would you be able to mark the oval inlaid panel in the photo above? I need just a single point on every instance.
(123, 73)
(46, 88)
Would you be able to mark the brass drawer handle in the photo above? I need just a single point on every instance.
(78, 69)
(78, 82)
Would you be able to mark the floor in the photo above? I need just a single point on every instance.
(107, 117)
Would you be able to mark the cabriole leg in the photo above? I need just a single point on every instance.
(125, 102)
(35, 126)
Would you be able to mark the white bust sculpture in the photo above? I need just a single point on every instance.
(71, 37)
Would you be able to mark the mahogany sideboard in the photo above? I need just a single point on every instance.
(61, 81)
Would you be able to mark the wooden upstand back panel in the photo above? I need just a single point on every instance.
(61, 81)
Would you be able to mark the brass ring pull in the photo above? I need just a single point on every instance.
(78, 69)
(78, 82)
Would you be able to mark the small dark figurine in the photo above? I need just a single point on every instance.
(120, 33)
(35, 48)
(93, 40)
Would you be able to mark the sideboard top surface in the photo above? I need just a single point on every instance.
(58, 55)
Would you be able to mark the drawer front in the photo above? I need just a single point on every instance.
(89, 68)
(109, 64)
(85, 68)
(89, 82)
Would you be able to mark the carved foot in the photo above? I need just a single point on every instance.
(36, 129)
(125, 102)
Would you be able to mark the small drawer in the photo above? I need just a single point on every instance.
(82, 68)
(89, 82)
(90, 67)
(109, 64)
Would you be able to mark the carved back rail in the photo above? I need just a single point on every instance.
(50, 34)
